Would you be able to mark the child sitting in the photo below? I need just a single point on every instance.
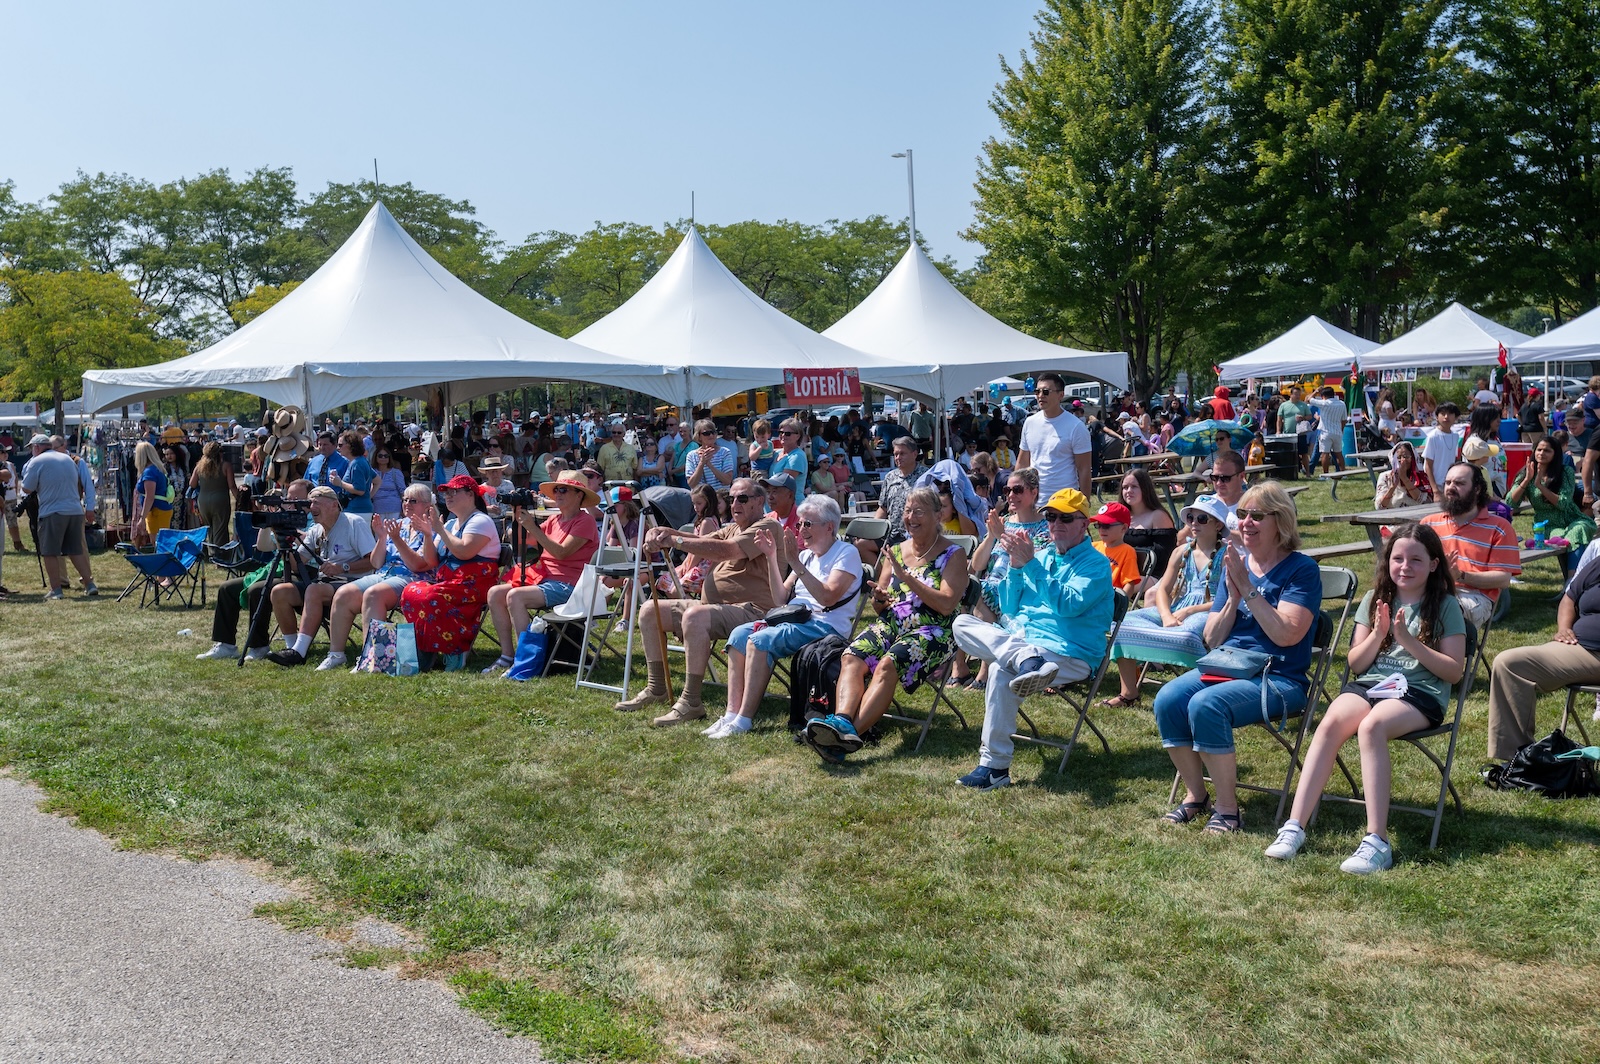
(1112, 521)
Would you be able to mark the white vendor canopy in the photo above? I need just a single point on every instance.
(1577, 340)
(694, 318)
(379, 316)
(1455, 336)
(1313, 346)
(916, 316)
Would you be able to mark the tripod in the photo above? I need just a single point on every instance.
(278, 565)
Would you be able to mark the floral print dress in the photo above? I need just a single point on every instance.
(447, 609)
(917, 638)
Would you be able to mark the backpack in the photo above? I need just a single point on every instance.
(1535, 768)
(812, 679)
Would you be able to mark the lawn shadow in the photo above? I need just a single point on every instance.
(1472, 833)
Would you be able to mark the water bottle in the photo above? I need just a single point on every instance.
(1538, 534)
(186, 631)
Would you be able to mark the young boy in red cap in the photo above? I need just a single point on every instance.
(1112, 522)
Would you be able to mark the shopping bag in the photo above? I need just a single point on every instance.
(532, 648)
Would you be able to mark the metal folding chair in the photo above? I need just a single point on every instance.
(1079, 695)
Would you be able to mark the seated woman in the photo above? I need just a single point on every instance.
(989, 561)
(922, 582)
(1171, 630)
(1547, 482)
(1152, 529)
(1403, 483)
(1268, 604)
(824, 577)
(403, 551)
(568, 540)
(1409, 625)
(446, 612)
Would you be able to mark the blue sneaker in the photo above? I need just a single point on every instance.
(1033, 676)
(832, 737)
(984, 778)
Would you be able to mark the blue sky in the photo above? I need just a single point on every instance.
(544, 116)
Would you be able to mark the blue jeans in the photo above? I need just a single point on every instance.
(1203, 715)
(778, 641)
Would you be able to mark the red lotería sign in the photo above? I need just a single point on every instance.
(821, 387)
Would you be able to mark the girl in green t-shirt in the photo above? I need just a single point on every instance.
(1407, 653)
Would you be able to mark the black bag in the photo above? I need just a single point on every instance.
(1535, 768)
(812, 680)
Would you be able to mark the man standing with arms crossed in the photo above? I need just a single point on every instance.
(1054, 441)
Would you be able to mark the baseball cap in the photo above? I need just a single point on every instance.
(39, 440)
(784, 480)
(1476, 449)
(1068, 500)
(1113, 513)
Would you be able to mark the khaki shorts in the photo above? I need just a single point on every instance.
(61, 535)
(724, 619)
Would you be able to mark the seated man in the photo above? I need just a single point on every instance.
(1482, 547)
(232, 597)
(337, 544)
(736, 591)
(1059, 608)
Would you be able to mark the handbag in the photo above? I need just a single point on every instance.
(533, 647)
(1236, 663)
(1538, 767)
(389, 648)
(795, 613)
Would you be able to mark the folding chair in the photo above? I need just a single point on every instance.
(937, 675)
(1451, 727)
(174, 566)
(1079, 695)
(1337, 584)
(1567, 713)
(571, 623)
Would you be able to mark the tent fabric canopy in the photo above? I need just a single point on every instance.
(1577, 339)
(1455, 336)
(380, 316)
(1313, 346)
(696, 318)
(916, 316)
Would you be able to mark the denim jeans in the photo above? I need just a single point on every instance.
(1203, 715)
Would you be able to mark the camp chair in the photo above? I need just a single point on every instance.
(173, 569)
(1079, 695)
(1339, 592)
(1569, 715)
(1450, 727)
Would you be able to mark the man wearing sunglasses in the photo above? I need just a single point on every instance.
(736, 592)
(1058, 604)
(618, 459)
(1054, 441)
(1227, 484)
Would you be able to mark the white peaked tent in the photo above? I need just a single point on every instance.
(1313, 346)
(379, 316)
(1455, 336)
(916, 316)
(1576, 340)
(696, 318)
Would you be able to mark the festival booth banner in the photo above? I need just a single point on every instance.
(821, 387)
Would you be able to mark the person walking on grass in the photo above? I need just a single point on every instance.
(1409, 649)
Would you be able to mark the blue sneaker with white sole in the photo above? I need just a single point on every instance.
(832, 737)
(984, 778)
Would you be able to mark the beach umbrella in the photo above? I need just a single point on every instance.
(1199, 438)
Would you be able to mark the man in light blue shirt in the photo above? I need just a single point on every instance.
(326, 462)
(1058, 609)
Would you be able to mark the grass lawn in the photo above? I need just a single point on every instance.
(622, 893)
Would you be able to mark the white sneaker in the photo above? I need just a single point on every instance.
(334, 660)
(722, 723)
(1373, 855)
(219, 652)
(256, 654)
(727, 730)
(1290, 838)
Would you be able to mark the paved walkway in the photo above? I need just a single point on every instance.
(115, 956)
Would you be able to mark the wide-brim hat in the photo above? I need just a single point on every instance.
(289, 421)
(1210, 505)
(571, 478)
(287, 448)
(494, 461)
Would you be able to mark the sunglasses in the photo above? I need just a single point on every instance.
(810, 524)
(744, 498)
(561, 491)
(1198, 519)
(1054, 516)
(788, 432)
(706, 432)
(1220, 478)
(1017, 489)
(1255, 515)
(1042, 392)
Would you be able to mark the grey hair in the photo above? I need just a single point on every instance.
(928, 497)
(417, 491)
(822, 507)
(705, 424)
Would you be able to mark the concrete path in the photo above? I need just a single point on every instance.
(113, 956)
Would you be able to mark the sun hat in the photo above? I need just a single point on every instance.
(1068, 500)
(494, 461)
(1113, 513)
(1477, 449)
(1210, 505)
(571, 478)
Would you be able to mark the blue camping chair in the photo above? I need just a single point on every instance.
(174, 569)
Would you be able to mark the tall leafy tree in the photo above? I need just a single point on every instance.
(604, 267)
(1337, 195)
(1089, 205)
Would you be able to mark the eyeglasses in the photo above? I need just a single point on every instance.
(707, 432)
(744, 498)
(789, 432)
(560, 491)
(810, 524)
(1053, 516)
(1255, 515)
(1198, 519)
(1220, 478)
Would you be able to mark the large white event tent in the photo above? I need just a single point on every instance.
(1577, 340)
(1455, 336)
(1313, 346)
(380, 316)
(696, 319)
(916, 316)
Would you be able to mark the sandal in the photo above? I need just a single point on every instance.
(1224, 824)
(958, 681)
(1120, 702)
(976, 684)
(1187, 812)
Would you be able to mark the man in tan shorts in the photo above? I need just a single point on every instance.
(736, 591)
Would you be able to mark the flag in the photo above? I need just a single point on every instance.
(1355, 368)
(1217, 370)
(1504, 359)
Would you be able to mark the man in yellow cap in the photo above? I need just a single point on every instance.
(1056, 606)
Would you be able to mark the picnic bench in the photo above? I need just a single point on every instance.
(1374, 521)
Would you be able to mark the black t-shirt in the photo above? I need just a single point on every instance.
(1585, 591)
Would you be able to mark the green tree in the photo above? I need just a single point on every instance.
(604, 267)
(1336, 196)
(56, 325)
(258, 302)
(523, 279)
(1088, 202)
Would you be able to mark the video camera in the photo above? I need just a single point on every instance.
(525, 498)
(282, 516)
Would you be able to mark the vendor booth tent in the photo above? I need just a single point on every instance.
(1313, 346)
(1577, 340)
(1455, 336)
(380, 316)
(916, 316)
(695, 317)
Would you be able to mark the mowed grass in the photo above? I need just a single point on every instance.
(624, 893)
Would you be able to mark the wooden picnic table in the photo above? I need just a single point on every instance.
(1374, 521)
(1143, 459)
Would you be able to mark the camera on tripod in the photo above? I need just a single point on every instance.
(526, 498)
(281, 516)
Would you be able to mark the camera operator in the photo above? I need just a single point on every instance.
(337, 545)
(232, 597)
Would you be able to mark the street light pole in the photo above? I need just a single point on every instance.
(911, 188)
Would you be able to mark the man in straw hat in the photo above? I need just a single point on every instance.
(736, 592)
(1058, 602)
